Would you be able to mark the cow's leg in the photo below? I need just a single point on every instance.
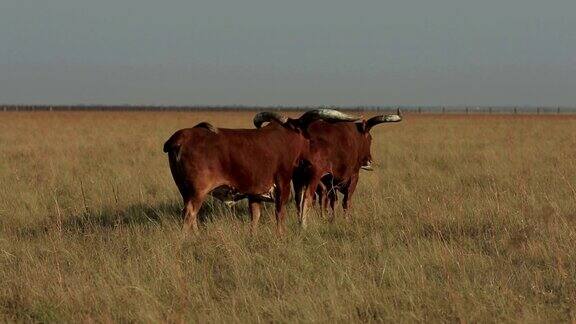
(193, 198)
(298, 198)
(348, 192)
(254, 206)
(332, 197)
(190, 213)
(321, 200)
(321, 192)
(309, 191)
(281, 198)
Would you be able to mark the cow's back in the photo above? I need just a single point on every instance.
(246, 159)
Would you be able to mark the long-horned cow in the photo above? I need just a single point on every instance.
(349, 150)
(247, 162)
(337, 153)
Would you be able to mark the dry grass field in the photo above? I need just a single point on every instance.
(466, 218)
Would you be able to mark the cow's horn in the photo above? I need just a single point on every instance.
(267, 116)
(385, 119)
(327, 114)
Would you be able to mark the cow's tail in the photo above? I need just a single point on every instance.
(174, 148)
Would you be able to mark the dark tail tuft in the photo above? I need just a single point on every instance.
(167, 146)
(171, 146)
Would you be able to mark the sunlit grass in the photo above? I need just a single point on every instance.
(465, 219)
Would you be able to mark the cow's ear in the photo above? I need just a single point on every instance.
(361, 126)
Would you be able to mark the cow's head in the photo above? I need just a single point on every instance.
(364, 128)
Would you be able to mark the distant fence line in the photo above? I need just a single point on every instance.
(408, 109)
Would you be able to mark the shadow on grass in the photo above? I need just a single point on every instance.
(140, 215)
(111, 217)
(145, 215)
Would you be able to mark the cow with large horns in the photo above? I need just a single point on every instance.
(337, 153)
(349, 151)
(246, 162)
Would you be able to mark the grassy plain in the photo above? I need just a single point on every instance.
(465, 219)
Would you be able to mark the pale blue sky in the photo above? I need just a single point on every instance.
(323, 52)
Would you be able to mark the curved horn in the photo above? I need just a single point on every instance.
(267, 116)
(327, 114)
(393, 118)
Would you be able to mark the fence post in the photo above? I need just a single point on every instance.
(490, 110)
(443, 110)
(558, 110)
(515, 110)
(466, 110)
(538, 111)
(419, 110)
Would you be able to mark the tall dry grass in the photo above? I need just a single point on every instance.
(465, 219)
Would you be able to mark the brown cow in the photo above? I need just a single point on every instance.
(349, 151)
(337, 153)
(245, 162)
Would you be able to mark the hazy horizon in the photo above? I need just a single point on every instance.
(446, 52)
